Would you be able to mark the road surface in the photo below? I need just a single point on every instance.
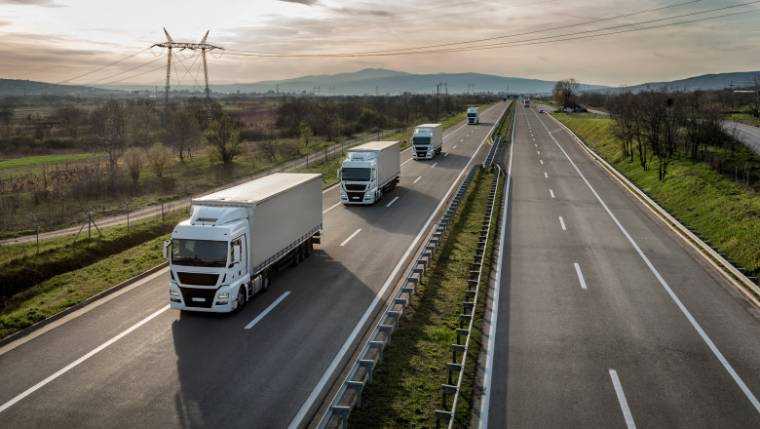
(130, 362)
(605, 319)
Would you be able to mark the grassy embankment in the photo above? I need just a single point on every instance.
(744, 118)
(406, 386)
(39, 160)
(724, 213)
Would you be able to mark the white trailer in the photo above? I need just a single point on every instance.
(368, 171)
(427, 140)
(236, 238)
(472, 116)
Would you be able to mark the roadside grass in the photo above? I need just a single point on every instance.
(23, 268)
(724, 213)
(744, 118)
(38, 160)
(405, 388)
(64, 290)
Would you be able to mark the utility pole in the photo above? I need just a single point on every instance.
(170, 45)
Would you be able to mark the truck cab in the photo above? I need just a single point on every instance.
(209, 260)
(427, 140)
(472, 116)
(358, 178)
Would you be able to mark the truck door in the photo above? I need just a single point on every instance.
(239, 247)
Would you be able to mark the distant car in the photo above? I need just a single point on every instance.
(541, 111)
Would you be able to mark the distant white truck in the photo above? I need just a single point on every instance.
(472, 116)
(368, 171)
(427, 140)
(236, 238)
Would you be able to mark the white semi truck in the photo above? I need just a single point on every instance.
(427, 140)
(236, 238)
(472, 116)
(368, 171)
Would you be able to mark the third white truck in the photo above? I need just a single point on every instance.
(427, 140)
(368, 171)
(236, 238)
(472, 116)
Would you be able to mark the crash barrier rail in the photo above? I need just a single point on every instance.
(360, 374)
(488, 162)
(449, 390)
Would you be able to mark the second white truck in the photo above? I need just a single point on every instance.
(368, 171)
(236, 238)
(427, 140)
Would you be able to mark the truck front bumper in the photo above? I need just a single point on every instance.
(178, 297)
(358, 198)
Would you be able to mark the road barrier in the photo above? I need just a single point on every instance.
(449, 390)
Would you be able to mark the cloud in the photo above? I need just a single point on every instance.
(43, 3)
(303, 2)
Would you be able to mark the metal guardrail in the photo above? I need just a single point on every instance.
(360, 374)
(449, 390)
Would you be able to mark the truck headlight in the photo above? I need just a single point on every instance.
(174, 295)
(222, 297)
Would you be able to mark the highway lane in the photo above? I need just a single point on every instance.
(205, 370)
(588, 335)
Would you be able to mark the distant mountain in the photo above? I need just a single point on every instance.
(382, 81)
(21, 88)
(703, 82)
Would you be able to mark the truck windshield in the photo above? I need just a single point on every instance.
(349, 173)
(199, 253)
(421, 141)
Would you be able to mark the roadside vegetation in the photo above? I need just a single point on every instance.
(64, 158)
(405, 388)
(717, 205)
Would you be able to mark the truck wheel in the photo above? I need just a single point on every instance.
(241, 299)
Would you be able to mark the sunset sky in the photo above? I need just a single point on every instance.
(54, 40)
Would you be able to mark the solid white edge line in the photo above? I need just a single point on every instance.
(74, 364)
(417, 180)
(562, 223)
(306, 406)
(485, 401)
(350, 237)
(697, 327)
(392, 201)
(581, 279)
(267, 310)
(630, 424)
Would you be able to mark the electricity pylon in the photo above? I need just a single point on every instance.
(170, 45)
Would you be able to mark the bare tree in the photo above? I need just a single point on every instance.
(159, 159)
(223, 137)
(133, 157)
(565, 92)
(306, 135)
(183, 132)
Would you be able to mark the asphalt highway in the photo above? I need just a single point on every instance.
(605, 318)
(129, 361)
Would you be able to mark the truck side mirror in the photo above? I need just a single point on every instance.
(167, 245)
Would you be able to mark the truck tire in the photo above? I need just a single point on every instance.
(241, 299)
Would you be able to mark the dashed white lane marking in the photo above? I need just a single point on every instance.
(630, 424)
(562, 223)
(417, 180)
(546, 175)
(392, 201)
(551, 192)
(267, 310)
(350, 237)
(581, 279)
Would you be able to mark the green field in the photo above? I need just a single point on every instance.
(38, 160)
(405, 387)
(744, 118)
(722, 212)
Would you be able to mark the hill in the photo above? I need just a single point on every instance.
(22, 88)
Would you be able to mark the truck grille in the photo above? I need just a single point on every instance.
(198, 279)
(355, 187)
(198, 297)
(355, 196)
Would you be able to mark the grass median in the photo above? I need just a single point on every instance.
(406, 386)
(723, 212)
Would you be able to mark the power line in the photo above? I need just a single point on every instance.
(133, 76)
(97, 69)
(454, 48)
(124, 71)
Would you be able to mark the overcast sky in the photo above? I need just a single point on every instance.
(54, 40)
